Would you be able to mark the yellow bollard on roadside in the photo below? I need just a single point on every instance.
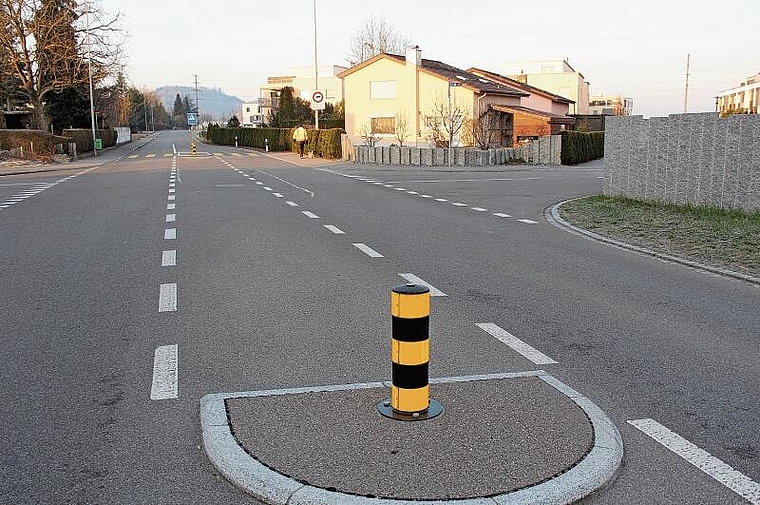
(410, 355)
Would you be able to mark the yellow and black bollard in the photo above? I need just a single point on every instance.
(410, 354)
(193, 151)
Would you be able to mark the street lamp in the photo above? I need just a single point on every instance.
(316, 68)
(89, 71)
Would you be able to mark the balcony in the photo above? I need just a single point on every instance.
(269, 103)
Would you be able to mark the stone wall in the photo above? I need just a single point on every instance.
(544, 151)
(697, 159)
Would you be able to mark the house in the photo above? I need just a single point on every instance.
(742, 99)
(251, 116)
(555, 76)
(539, 113)
(395, 98)
(610, 105)
(301, 79)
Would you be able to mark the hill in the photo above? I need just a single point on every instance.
(212, 100)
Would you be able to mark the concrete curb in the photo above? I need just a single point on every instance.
(593, 472)
(552, 215)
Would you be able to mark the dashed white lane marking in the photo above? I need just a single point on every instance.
(150, 155)
(387, 185)
(169, 258)
(260, 183)
(132, 156)
(412, 192)
(167, 297)
(172, 198)
(165, 371)
(292, 204)
(416, 280)
(441, 200)
(278, 195)
(309, 214)
(170, 218)
(515, 343)
(335, 229)
(400, 189)
(172, 184)
(230, 185)
(252, 154)
(171, 206)
(170, 234)
(426, 196)
(310, 192)
(172, 190)
(368, 250)
(712, 466)
(459, 204)
(499, 214)
(267, 188)
(527, 221)
(478, 209)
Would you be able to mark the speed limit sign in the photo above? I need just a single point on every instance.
(317, 100)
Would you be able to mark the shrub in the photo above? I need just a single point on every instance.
(324, 143)
(82, 137)
(38, 141)
(580, 147)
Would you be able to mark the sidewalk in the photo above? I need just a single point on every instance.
(502, 438)
(104, 157)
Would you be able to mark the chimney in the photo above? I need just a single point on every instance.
(414, 56)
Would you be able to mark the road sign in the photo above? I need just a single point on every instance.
(192, 119)
(317, 101)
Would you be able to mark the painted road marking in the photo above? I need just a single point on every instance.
(335, 229)
(166, 155)
(278, 195)
(712, 466)
(252, 154)
(218, 154)
(170, 218)
(426, 196)
(515, 343)
(169, 258)
(416, 280)
(499, 214)
(132, 156)
(172, 190)
(165, 365)
(310, 192)
(235, 154)
(368, 250)
(478, 209)
(171, 206)
(170, 234)
(309, 214)
(441, 200)
(230, 185)
(400, 189)
(387, 185)
(172, 197)
(459, 204)
(167, 297)
(527, 221)
(172, 184)
(150, 155)
(412, 192)
(292, 204)
(267, 188)
(260, 183)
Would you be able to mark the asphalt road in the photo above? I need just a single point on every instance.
(269, 297)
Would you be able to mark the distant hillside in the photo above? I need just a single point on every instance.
(212, 100)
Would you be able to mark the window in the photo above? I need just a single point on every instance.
(382, 90)
(383, 125)
(330, 94)
(248, 109)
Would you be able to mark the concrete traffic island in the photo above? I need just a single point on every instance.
(502, 438)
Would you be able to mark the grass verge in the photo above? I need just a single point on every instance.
(723, 238)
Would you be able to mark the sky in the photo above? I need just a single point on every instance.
(634, 48)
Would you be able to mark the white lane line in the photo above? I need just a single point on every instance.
(515, 343)
(230, 185)
(426, 196)
(441, 200)
(165, 365)
(416, 280)
(712, 466)
(260, 183)
(377, 183)
(172, 184)
(167, 297)
(174, 149)
(4, 206)
(412, 192)
(170, 234)
(478, 209)
(171, 206)
(368, 250)
(170, 218)
(400, 189)
(310, 192)
(292, 204)
(172, 190)
(278, 195)
(169, 258)
(267, 188)
(335, 229)
(527, 221)
(459, 204)
(387, 185)
(309, 214)
(172, 197)
(499, 214)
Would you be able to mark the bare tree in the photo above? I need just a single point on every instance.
(375, 37)
(401, 128)
(443, 122)
(46, 44)
(369, 137)
(479, 131)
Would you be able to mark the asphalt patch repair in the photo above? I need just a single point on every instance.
(494, 437)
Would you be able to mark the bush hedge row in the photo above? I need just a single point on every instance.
(38, 141)
(580, 147)
(83, 138)
(324, 143)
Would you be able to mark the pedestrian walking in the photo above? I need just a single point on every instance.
(299, 137)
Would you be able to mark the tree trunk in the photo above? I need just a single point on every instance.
(40, 116)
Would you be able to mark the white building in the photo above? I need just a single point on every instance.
(611, 105)
(743, 99)
(251, 116)
(555, 76)
(301, 79)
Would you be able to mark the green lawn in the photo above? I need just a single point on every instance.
(723, 238)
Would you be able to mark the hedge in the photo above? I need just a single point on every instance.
(38, 141)
(580, 147)
(324, 143)
(83, 138)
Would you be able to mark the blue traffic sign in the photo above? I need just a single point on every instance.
(192, 119)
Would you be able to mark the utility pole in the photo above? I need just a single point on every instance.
(686, 91)
(197, 105)
(316, 68)
(89, 71)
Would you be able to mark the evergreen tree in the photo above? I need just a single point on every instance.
(233, 122)
(178, 106)
(286, 114)
(187, 105)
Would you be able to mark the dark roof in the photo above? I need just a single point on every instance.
(467, 79)
(521, 85)
(519, 109)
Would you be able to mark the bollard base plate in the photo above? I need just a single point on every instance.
(433, 410)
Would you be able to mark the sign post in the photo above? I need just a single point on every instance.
(317, 101)
(452, 84)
